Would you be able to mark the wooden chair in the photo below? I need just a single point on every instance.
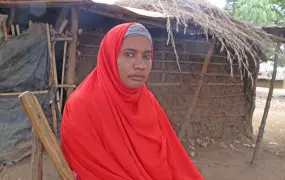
(43, 138)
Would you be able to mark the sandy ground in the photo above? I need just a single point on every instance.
(225, 160)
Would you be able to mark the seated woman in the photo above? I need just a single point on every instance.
(113, 127)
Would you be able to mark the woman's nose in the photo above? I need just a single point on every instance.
(140, 64)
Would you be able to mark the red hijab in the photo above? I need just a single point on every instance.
(110, 132)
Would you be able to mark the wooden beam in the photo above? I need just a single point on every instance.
(61, 19)
(18, 93)
(13, 30)
(63, 39)
(218, 84)
(40, 124)
(51, 77)
(163, 84)
(18, 30)
(30, 23)
(63, 25)
(4, 29)
(55, 79)
(72, 50)
(37, 157)
(63, 72)
(206, 63)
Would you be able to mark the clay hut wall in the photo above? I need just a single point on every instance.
(222, 109)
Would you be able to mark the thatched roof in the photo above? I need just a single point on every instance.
(239, 39)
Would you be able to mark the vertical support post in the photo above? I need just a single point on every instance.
(63, 72)
(5, 29)
(13, 30)
(53, 111)
(266, 109)
(72, 51)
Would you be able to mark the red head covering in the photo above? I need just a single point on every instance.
(110, 132)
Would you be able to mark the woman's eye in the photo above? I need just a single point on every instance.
(129, 54)
(147, 57)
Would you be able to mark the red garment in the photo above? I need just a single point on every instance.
(109, 132)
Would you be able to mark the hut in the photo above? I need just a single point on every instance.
(204, 69)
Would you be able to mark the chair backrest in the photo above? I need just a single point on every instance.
(43, 137)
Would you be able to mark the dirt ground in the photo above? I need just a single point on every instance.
(217, 160)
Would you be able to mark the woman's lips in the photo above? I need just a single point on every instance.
(138, 78)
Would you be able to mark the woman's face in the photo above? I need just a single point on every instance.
(134, 61)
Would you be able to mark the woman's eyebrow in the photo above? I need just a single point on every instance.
(130, 49)
(148, 51)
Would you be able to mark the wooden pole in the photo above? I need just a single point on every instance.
(63, 72)
(55, 80)
(37, 157)
(40, 124)
(13, 30)
(30, 23)
(51, 75)
(63, 38)
(72, 50)
(61, 18)
(18, 93)
(266, 109)
(18, 30)
(61, 28)
(198, 89)
(4, 29)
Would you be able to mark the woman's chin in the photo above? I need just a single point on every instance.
(134, 85)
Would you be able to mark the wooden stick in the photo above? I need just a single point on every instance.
(18, 30)
(4, 29)
(63, 25)
(63, 38)
(72, 50)
(40, 124)
(230, 115)
(54, 118)
(219, 105)
(60, 18)
(163, 84)
(55, 80)
(198, 89)
(228, 95)
(65, 86)
(63, 72)
(53, 110)
(266, 109)
(218, 84)
(37, 157)
(30, 23)
(18, 93)
(13, 30)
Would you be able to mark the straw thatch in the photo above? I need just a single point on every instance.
(241, 41)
